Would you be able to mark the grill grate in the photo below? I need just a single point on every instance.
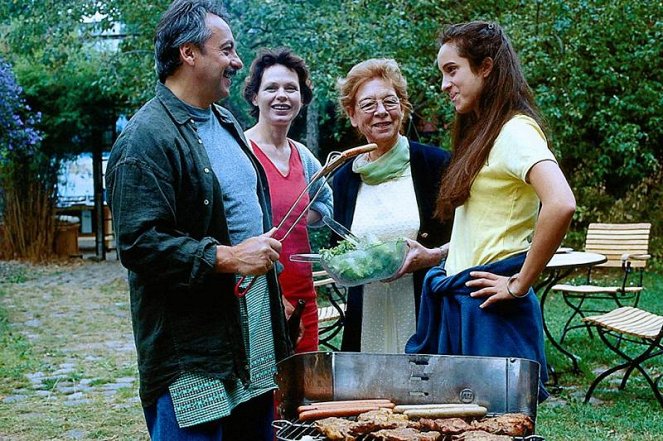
(294, 431)
(298, 431)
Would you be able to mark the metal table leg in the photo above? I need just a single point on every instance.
(555, 276)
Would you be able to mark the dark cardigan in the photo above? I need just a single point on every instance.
(427, 164)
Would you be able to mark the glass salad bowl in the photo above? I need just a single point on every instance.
(351, 264)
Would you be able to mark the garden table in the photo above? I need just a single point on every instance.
(560, 266)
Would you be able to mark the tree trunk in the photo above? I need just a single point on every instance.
(312, 132)
(97, 180)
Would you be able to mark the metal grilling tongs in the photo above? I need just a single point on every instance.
(334, 161)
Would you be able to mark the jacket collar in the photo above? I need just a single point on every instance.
(178, 110)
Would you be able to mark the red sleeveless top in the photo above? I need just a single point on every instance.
(296, 280)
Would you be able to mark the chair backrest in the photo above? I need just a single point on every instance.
(614, 240)
(326, 286)
(321, 278)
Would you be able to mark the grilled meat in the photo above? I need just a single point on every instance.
(446, 426)
(336, 429)
(405, 434)
(379, 419)
(512, 424)
(384, 424)
(382, 415)
(480, 435)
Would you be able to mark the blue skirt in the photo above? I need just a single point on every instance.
(451, 322)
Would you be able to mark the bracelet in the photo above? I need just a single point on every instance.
(443, 256)
(508, 289)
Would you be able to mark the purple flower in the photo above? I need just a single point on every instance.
(18, 132)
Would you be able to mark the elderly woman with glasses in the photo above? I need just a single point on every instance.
(388, 193)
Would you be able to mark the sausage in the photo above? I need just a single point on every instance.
(329, 411)
(448, 412)
(348, 403)
(400, 408)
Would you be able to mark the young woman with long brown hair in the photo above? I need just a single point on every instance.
(510, 201)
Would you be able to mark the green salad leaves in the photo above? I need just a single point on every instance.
(352, 265)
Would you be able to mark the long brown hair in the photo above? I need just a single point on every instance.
(505, 93)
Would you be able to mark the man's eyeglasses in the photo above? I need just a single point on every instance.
(369, 106)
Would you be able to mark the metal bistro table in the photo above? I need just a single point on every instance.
(560, 266)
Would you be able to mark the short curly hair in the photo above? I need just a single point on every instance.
(384, 68)
(268, 58)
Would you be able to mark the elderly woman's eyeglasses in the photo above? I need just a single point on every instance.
(370, 105)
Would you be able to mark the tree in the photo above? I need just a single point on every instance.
(595, 67)
(76, 110)
(26, 175)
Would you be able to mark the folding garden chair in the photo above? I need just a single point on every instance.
(626, 248)
(331, 316)
(625, 331)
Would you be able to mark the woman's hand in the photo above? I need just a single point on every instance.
(494, 288)
(419, 257)
(288, 310)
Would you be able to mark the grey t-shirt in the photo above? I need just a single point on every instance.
(197, 398)
(235, 173)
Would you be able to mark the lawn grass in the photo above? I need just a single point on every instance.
(61, 370)
(631, 414)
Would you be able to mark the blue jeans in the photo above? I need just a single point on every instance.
(250, 421)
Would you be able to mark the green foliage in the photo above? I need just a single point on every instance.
(75, 110)
(63, 60)
(595, 67)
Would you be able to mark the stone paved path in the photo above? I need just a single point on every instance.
(83, 382)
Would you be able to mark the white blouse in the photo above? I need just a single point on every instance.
(387, 211)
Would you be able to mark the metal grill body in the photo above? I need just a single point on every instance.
(502, 385)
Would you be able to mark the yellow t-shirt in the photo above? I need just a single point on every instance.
(497, 220)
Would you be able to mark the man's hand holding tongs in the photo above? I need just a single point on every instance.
(256, 256)
(253, 257)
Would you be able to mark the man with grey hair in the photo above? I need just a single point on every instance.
(191, 214)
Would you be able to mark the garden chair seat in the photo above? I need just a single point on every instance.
(623, 330)
(593, 289)
(331, 318)
(330, 313)
(626, 249)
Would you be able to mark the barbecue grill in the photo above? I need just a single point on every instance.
(502, 385)
(296, 431)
